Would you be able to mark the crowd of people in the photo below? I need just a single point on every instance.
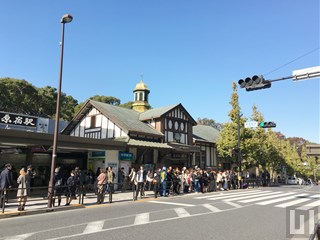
(175, 181)
(163, 181)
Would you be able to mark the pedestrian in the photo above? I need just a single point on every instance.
(212, 181)
(58, 186)
(32, 173)
(141, 178)
(71, 191)
(163, 178)
(111, 177)
(23, 181)
(101, 185)
(6, 182)
(121, 178)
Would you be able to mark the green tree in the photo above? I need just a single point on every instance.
(18, 96)
(228, 139)
(99, 98)
(210, 122)
(127, 105)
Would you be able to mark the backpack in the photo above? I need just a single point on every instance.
(71, 181)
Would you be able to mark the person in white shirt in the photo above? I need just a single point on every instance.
(140, 178)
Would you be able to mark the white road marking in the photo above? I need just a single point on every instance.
(132, 225)
(93, 227)
(310, 205)
(232, 204)
(20, 237)
(292, 203)
(211, 208)
(181, 212)
(251, 196)
(237, 195)
(173, 203)
(281, 199)
(142, 218)
(267, 197)
(228, 193)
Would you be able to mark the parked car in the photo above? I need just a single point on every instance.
(292, 181)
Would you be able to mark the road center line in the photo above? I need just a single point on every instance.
(173, 203)
(181, 212)
(93, 227)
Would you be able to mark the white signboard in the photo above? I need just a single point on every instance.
(252, 124)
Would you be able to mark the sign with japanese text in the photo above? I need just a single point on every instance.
(125, 156)
(18, 120)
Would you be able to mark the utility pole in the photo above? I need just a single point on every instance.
(239, 150)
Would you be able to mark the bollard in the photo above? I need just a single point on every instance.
(2, 195)
(155, 190)
(110, 192)
(133, 192)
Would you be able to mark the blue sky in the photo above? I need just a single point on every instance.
(189, 52)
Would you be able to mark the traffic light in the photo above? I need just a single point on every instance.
(267, 124)
(254, 83)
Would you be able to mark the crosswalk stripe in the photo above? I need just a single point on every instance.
(20, 237)
(228, 193)
(172, 203)
(211, 208)
(142, 218)
(181, 212)
(252, 196)
(310, 205)
(281, 199)
(238, 195)
(93, 227)
(266, 197)
(292, 203)
(233, 204)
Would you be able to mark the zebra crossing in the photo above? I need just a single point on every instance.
(279, 199)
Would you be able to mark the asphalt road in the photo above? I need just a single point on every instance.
(260, 213)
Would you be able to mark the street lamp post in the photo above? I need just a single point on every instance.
(67, 18)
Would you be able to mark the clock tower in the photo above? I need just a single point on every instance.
(141, 93)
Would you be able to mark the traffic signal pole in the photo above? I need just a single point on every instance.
(239, 150)
(258, 82)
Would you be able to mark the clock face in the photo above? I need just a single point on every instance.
(176, 125)
(182, 126)
(170, 124)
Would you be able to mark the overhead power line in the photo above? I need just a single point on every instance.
(292, 61)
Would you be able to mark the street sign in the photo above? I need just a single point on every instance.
(306, 73)
(251, 124)
(313, 150)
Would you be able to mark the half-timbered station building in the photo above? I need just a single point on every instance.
(102, 135)
(154, 137)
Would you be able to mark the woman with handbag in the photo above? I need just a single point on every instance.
(23, 181)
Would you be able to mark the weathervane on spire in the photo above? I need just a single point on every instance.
(141, 76)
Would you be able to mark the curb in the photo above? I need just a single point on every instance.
(39, 211)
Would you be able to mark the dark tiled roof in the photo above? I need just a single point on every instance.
(205, 133)
(125, 118)
(155, 112)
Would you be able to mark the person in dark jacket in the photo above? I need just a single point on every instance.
(71, 184)
(58, 186)
(6, 182)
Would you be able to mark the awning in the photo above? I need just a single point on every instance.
(146, 144)
(184, 148)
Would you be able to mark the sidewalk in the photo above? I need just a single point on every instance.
(36, 205)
